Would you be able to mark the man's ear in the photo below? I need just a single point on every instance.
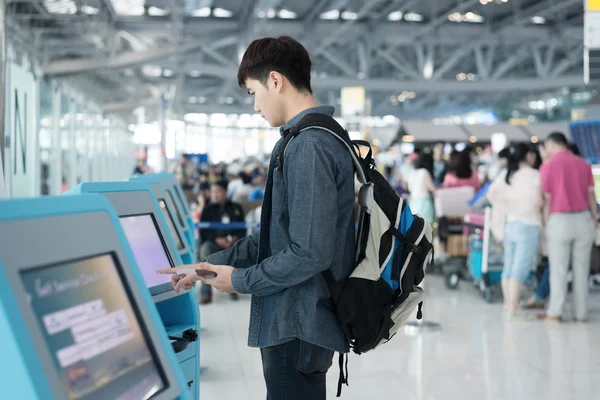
(276, 80)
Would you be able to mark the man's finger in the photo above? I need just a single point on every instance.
(175, 270)
(166, 271)
(188, 279)
(207, 266)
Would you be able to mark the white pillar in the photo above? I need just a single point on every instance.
(55, 144)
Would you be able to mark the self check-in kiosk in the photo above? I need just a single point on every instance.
(76, 321)
(185, 236)
(153, 246)
(178, 231)
(175, 193)
(180, 195)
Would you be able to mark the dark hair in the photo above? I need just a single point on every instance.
(425, 161)
(574, 149)
(283, 54)
(504, 153)
(460, 164)
(558, 138)
(246, 179)
(518, 155)
(538, 157)
(223, 184)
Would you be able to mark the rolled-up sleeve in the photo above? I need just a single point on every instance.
(242, 254)
(309, 174)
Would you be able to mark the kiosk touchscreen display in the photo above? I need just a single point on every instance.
(91, 330)
(171, 223)
(179, 217)
(148, 248)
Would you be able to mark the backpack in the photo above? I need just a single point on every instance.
(393, 249)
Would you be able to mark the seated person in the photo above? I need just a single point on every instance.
(213, 240)
(460, 171)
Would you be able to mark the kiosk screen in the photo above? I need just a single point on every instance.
(91, 330)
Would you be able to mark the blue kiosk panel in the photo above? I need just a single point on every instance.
(154, 247)
(177, 196)
(74, 309)
(146, 228)
(168, 210)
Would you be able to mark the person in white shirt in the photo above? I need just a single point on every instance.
(519, 191)
(421, 188)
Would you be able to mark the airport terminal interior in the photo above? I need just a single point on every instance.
(131, 153)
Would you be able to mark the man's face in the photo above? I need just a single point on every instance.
(267, 101)
(551, 148)
(218, 195)
(438, 153)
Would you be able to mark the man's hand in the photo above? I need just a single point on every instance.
(222, 282)
(184, 276)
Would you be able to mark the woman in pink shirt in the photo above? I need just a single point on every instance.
(460, 173)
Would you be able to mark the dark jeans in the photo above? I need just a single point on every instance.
(296, 370)
(205, 250)
(543, 290)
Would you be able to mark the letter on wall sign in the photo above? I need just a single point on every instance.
(22, 172)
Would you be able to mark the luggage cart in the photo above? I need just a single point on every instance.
(484, 261)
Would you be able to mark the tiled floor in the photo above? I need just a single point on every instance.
(476, 356)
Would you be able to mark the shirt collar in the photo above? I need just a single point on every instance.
(329, 110)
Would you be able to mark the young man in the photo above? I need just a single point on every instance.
(571, 215)
(307, 227)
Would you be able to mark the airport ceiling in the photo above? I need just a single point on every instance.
(414, 57)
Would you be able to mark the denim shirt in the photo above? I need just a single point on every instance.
(310, 229)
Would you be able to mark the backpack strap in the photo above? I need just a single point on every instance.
(327, 123)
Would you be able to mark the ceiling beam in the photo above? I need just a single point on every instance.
(330, 39)
(512, 61)
(400, 65)
(340, 63)
(548, 6)
(431, 25)
(384, 84)
(573, 57)
(127, 59)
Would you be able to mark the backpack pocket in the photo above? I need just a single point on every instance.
(404, 311)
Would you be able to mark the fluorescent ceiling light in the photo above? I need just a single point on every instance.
(129, 7)
(349, 15)
(333, 14)
(194, 74)
(271, 13)
(222, 13)
(89, 10)
(151, 71)
(60, 6)
(396, 16)
(168, 73)
(201, 12)
(157, 12)
(472, 17)
(287, 14)
(538, 20)
(455, 17)
(413, 17)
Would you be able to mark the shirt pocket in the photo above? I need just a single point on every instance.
(279, 193)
